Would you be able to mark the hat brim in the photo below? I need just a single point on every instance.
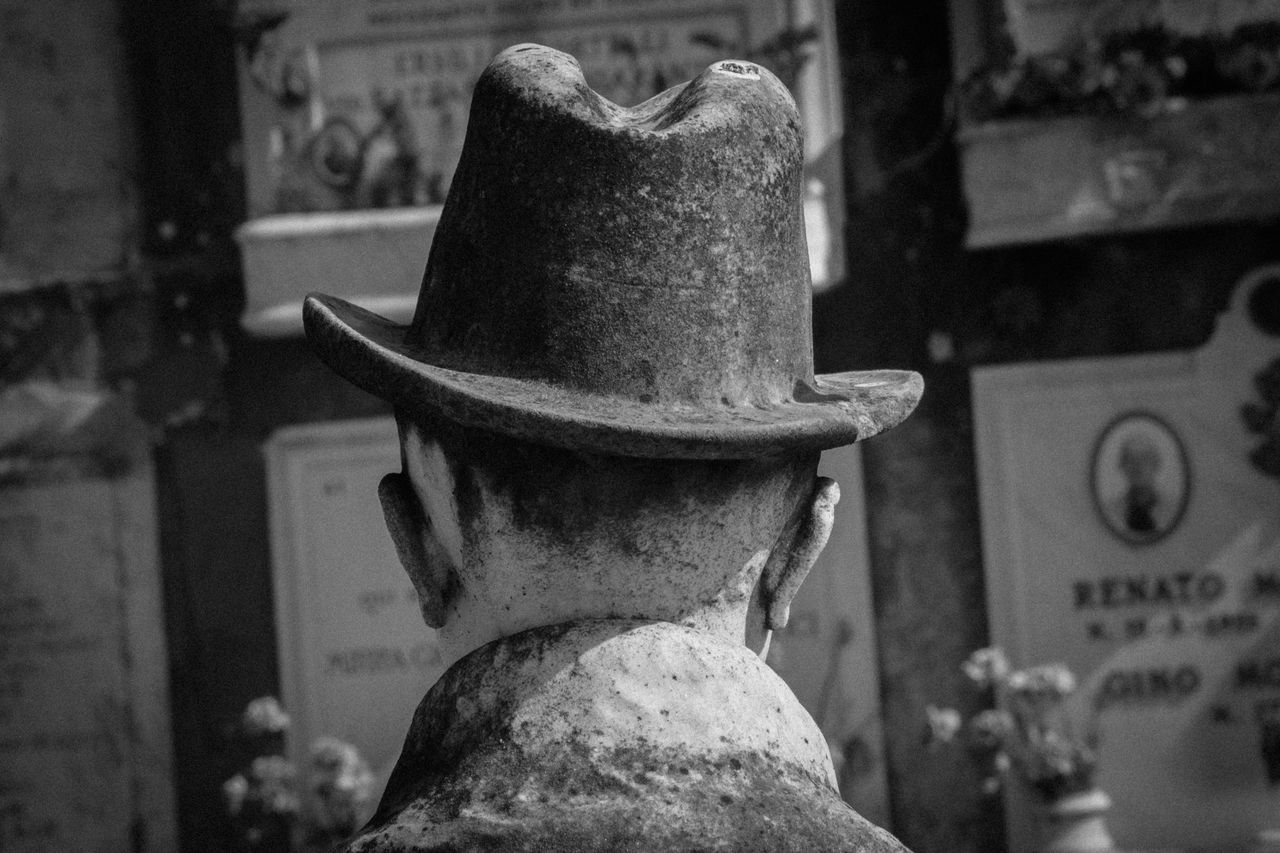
(838, 409)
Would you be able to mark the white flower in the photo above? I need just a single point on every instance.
(1058, 754)
(944, 723)
(1050, 680)
(341, 785)
(340, 765)
(234, 790)
(990, 728)
(986, 666)
(271, 783)
(264, 716)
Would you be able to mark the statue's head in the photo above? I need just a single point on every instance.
(606, 398)
(500, 535)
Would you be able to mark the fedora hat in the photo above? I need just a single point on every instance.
(629, 281)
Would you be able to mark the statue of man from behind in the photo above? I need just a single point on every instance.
(610, 431)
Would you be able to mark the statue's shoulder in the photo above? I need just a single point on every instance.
(568, 738)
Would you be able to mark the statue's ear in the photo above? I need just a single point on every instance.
(795, 553)
(420, 551)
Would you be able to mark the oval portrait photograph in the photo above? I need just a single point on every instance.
(1141, 479)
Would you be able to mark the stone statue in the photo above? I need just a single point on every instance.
(610, 430)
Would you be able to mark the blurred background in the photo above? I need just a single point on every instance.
(1065, 215)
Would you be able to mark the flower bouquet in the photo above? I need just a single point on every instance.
(1028, 735)
(271, 812)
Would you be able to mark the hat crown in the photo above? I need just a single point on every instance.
(654, 252)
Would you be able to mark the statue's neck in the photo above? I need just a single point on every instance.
(472, 621)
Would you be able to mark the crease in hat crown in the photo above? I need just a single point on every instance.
(631, 281)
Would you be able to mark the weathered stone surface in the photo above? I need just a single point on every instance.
(631, 281)
(615, 735)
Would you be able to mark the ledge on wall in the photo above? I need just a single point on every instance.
(373, 258)
(1210, 160)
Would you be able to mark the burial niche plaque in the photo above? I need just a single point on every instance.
(85, 756)
(1131, 523)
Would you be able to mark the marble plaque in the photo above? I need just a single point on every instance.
(1131, 527)
(85, 757)
(356, 657)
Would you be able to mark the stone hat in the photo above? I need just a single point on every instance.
(628, 281)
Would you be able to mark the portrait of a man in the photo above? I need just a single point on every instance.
(1140, 478)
